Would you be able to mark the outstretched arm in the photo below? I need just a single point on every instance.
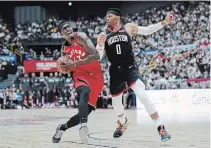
(134, 29)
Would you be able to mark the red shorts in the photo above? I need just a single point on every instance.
(94, 80)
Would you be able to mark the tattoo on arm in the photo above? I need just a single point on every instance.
(93, 55)
(131, 29)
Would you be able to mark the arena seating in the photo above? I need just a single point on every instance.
(176, 57)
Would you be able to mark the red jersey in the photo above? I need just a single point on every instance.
(76, 52)
(88, 74)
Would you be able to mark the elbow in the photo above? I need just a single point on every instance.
(97, 57)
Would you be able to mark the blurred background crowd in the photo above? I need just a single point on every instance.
(176, 57)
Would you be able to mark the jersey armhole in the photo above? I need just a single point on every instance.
(63, 47)
(124, 26)
(75, 40)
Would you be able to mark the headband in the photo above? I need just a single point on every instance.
(114, 11)
(61, 25)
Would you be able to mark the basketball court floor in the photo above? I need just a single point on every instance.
(34, 128)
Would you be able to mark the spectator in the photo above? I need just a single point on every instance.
(2, 99)
(129, 99)
(19, 97)
(106, 97)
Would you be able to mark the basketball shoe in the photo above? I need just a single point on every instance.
(121, 128)
(163, 134)
(83, 133)
(57, 136)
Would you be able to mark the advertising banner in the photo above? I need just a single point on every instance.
(181, 99)
(177, 106)
(40, 66)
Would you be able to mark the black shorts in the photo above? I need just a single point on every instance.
(121, 78)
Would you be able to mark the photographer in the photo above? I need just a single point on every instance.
(2, 99)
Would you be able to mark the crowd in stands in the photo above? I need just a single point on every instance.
(7, 60)
(173, 68)
(38, 30)
(6, 37)
(46, 54)
(175, 63)
(189, 26)
(31, 91)
(177, 56)
(4, 51)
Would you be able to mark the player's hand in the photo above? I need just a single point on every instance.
(61, 68)
(65, 66)
(169, 18)
(101, 39)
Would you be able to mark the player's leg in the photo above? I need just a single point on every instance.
(80, 118)
(83, 107)
(137, 85)
(117, 87)
(73, 121)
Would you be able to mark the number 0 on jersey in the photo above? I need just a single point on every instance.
(118, 49)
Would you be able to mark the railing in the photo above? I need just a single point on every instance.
(14, 51)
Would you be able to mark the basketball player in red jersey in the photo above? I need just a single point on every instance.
(86, 74)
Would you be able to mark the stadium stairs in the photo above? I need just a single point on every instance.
(8, 82)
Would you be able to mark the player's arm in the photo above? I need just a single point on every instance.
(93, 55)
(134, 29)
(101, 44)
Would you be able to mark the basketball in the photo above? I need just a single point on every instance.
(60, 62)
(63, 59)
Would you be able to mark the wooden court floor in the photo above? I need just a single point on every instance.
(34, 128)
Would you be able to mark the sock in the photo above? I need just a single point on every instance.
(83, 124)
(119, 108)
(83, 111)
(73, 121)
(122, 119)
(158, 122)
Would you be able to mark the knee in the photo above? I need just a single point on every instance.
(83, 93)
(138, 86)
(139, 90)
(84, 96)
